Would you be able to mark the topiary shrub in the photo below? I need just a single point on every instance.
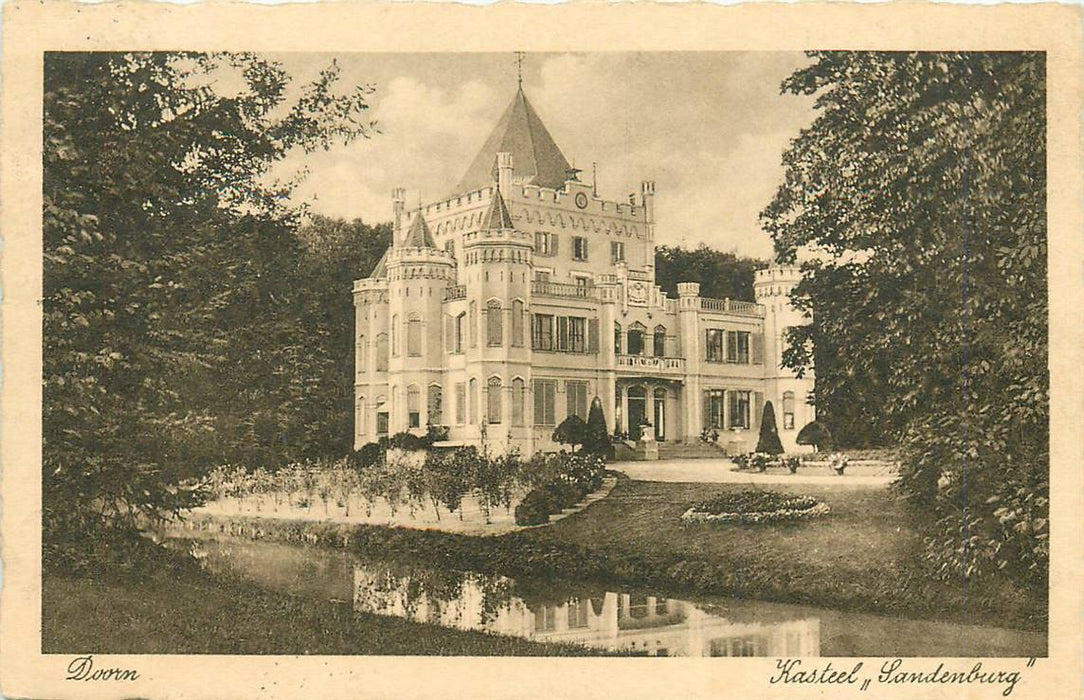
(816, 434)
(769, 443)
(572, 431)
(597, 439)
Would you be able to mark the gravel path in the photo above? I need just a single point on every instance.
(721, 471)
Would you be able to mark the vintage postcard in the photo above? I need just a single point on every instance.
(426, 351)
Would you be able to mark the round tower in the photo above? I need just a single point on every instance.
(497, 263)
(789, 394)
(418, 273)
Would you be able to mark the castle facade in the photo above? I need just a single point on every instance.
(504, 308)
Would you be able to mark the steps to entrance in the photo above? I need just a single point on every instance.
(690, 450)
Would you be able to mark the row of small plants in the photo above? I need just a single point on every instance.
(760, 461)
(413, 480)
(752, 506)
(568, 480)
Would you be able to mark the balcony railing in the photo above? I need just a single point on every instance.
(557, 289)
(674, 365)
(456, 292)
(744, 308)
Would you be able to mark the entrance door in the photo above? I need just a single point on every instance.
(637, 410)
(660, 414)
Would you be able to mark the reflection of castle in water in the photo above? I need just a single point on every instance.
(637, 624)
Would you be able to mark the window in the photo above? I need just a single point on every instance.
(660, 341)
(545, 619)
(636, 338)
(617, 338)
(382, 352)
(542, 332)
(473, 399)
(517, 323)
(545, 243)
(579, 248)
(473, 324)
(517, 401)
(617, 252)
(414, 336)
(715, 344)
(542, 276)
(714, 405)
(545, 397)
(571, 334)
(359, 416)
(739, 409)
(362, 367)
(395, 335)
(494, 323)
(493, 400)
(576, 399)
(460, 403)
(460, 329)
(737, 347)
(382, 423)
(788, 410)
(577, 613)
(582, 283)
(414, 415)
(434, 407)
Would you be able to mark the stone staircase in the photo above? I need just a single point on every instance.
(690, 450)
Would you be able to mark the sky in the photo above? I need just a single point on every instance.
(709, 128)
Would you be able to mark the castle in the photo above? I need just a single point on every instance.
(511, 304)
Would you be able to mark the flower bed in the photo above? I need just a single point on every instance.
(754, 507)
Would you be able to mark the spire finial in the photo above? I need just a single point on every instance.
(519, 69)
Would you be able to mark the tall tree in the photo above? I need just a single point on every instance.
(164, 254)
(721, 275)
(918, 197)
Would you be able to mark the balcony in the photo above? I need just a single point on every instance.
(651, 365)
(731, 306)
(456, 292)
(566, 291)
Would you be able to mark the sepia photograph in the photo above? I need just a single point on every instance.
(547, 353)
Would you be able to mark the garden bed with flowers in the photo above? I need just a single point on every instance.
(753, 506)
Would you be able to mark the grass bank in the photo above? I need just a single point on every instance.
(862, 557)
(180, 609)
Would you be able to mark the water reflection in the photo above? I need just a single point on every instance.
(638, 624)
(631, 622)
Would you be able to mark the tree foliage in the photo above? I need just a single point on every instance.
(171, 331)
(721, 275)
(597, 440)
(918, 198)
(572, 431)
(815, 433)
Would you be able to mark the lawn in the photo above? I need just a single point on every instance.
(185, 611)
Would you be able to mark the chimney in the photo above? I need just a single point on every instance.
(647, 199)
(398, 198)
(504, 174)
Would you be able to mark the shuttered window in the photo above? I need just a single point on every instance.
(517, 323)
(494, 324)
(576, 399)
(545, 400)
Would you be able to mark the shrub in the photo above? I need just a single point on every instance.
(572, 431)
(791, 463)
(435, 433)
(534, 509)
(367, 455)
(768, 442)
(816, 434)
(407, 441)
(597, 439)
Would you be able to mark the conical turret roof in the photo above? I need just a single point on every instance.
(497, 217)
(419, 236)
(380, 271)
(536, 159)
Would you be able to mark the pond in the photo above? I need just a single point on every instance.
(633, 622)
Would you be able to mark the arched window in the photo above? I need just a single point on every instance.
(517, 401)
(359, 416)
(494, 323)
(414, 336)
(788, 410)
(636, 338)
(382, 415)
(362, 356)
(414, 411)
(473, 324)
(517, 323)
(617, 338)
(395, 335)
(434, 405)
(473, 401)
(382, 352)
(460, 329)
(493, 400)
(660, 341)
